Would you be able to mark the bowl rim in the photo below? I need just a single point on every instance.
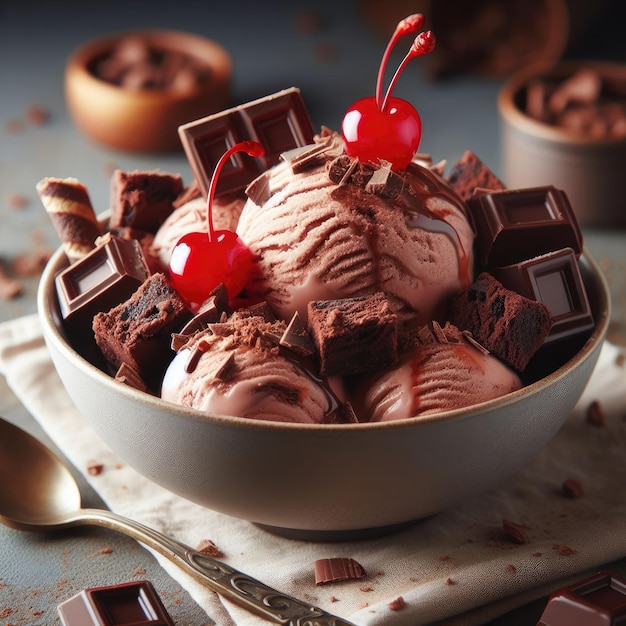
(511, 113)
(46, 294)
(197, 46)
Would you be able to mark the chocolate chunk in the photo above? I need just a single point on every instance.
(280, 122)
(99, 281)
(354, 335)
(555, 280)
(514, 225)
(511, 326)
(598, 599)
(143, 199)
(123, 604)
(336, 569)
(470, 173)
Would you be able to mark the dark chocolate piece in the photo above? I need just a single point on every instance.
(510, 325)
(135, 603)
(354, 335)
(99, 281)
(280, 122)
(599, 599)
(514, 225)
(336, 569)
(143, 200)
(555, 280)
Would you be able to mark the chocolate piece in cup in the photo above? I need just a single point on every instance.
(599, 599)
(555, 131)
(279, 122)
(123, 604)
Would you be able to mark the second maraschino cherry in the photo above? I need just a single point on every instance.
(385, 128)
(201, 261)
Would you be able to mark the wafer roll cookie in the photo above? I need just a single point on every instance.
(67, 202)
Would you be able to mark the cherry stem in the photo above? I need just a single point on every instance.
(423, 44)
(405, 27)
(253, 149)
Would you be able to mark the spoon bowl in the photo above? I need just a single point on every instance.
(42, 495)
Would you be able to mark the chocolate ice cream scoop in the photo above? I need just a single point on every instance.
(325, 226)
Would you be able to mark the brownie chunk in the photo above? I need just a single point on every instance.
(470, 173)
(138, 331)
(509, 325)
(143, 200)
(354, 335)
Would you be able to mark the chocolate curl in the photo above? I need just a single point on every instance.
(67, 203)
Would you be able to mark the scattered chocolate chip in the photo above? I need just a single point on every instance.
(10, 288)
(37, 114)
(511, 568)
(398, 604)
(515, 531)
(208, 547)
(94, 468)
(17, 201)
(573, 488)
(595, 414)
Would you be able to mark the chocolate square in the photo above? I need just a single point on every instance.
(555, 280)
(108, 275)
(280, 122)
(514, 225)
(599, 599)
(134, 603)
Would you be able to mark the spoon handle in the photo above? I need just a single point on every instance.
(216, 575)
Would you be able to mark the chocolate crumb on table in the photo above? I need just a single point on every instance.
(595, 414)
(573, 488)
(515, 531)
(398, 604)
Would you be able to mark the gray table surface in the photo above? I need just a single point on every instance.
(332, 67)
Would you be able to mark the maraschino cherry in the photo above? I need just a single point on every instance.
(386, 128)
(201, 261)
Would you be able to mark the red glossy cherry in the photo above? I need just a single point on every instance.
(387, 128)
(201, 261)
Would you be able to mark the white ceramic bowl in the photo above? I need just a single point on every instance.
(325, 481)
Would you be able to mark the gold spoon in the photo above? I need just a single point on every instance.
(39, 494)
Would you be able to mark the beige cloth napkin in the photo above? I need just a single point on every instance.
(453, 568)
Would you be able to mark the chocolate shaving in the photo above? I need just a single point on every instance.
(129, 376)
(259, 189)
(296, 337)
(385, 183)
(225, 368)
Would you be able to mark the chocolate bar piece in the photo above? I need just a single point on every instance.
(514, 225)
(99, 281)
(336, 569)
(354, 335)
(599, 599)
(116, 605)
(555, 280)
(280, 122)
